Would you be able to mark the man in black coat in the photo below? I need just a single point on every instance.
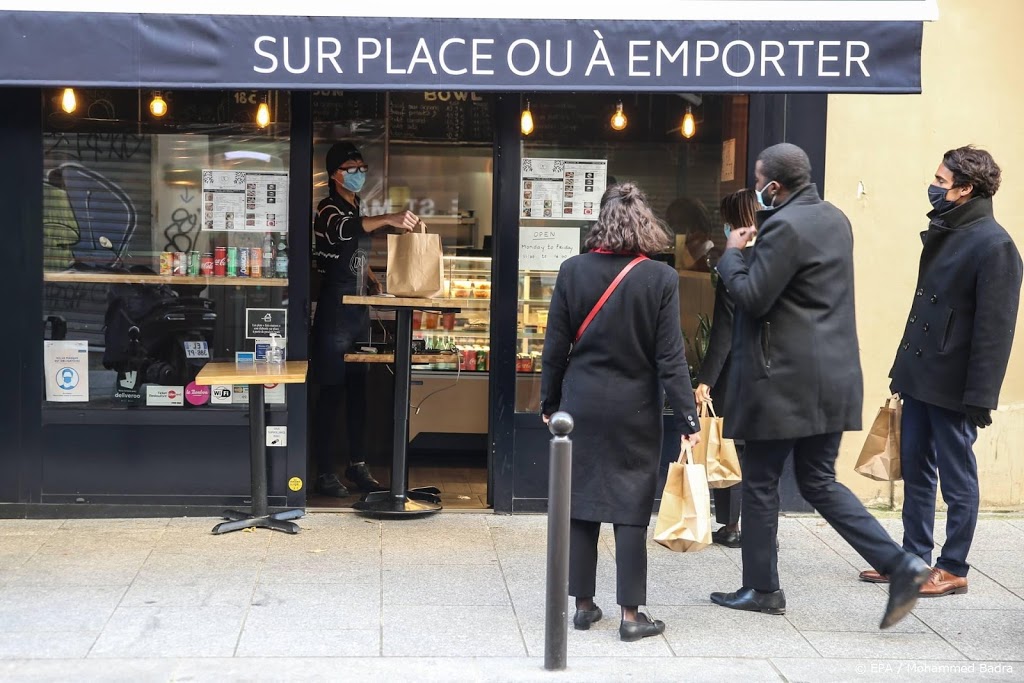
(796, 365)
(952, 358)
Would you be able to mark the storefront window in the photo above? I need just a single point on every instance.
(165, 217)
(684, 151)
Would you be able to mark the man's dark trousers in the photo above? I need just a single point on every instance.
(814, 462)
(934, 441)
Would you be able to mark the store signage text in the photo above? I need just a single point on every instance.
(524, 57)
(457, 55)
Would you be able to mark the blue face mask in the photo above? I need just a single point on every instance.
(353, 182)
(760, 196)
(727, 229)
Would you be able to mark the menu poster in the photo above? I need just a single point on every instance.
(546, 248)
(562, 189)
(244, 201)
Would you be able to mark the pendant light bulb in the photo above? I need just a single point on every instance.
(68, 101)
(526, 121)
(618, 118)
(263, 115)
(689, 128)
(157, 105)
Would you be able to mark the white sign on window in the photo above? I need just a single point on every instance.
(66, 364)
(562, 189)
(242, 201)
(547, 248)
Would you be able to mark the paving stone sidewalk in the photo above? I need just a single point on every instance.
(460, 597)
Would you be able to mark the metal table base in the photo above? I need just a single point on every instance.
(259, 518)
(400, 501)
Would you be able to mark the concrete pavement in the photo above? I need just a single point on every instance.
(460, 597)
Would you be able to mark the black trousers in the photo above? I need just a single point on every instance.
(937, 443)
(334, 399)
(630, 561)
(814, 461)
(729, 502)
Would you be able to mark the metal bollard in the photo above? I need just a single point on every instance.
(559, 492)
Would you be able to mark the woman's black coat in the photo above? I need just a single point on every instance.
(612, 382)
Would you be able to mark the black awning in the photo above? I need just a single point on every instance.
(723, 54)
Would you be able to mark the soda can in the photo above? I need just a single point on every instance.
(481, 360)
(243, 262)
(232, 262)
(166, 263)
(256, 262)
(220, 261)
(193, 263)
(471, 359)
(206, 264)
(180, 263)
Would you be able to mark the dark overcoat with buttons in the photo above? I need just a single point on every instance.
(795, 361)
(956, 344)
(613, 381)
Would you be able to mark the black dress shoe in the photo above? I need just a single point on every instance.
(751, 600)
(361, 478)
(730, 539)
(905, 583)
(330, 485)
(583, 618)
(631, 631)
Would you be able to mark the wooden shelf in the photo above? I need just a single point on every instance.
(130, 279)
(417, 359)
(290, 372)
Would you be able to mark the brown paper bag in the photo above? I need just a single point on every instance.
(415, 264)
(880, 457)
(717, 453)
(684, 519)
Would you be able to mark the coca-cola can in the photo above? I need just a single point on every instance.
(220, 261)
(206, 264)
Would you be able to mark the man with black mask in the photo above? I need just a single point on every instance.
(341, 250)
(951, 361)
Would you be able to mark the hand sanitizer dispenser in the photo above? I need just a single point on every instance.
(275, 354)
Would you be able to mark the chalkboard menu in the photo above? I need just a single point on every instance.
(441, 117)
(334, 106)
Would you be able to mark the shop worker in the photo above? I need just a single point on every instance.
(952, 358)
(341, 250)
(795, 363)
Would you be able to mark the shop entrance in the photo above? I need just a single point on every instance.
(430, 153)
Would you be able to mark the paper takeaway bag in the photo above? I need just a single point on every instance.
(415, 264)
(880, 457)
(717, 453)
(684, 520)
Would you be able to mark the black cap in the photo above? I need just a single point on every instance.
(339, 153)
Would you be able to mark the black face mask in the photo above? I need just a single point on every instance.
(937, 198)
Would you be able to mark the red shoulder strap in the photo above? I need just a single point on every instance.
(607, 293)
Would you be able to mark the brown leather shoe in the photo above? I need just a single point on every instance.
(871, 576)
(942, 583)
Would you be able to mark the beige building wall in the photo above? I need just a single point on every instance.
(889, 146)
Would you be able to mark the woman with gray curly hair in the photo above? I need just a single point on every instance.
(613, 349)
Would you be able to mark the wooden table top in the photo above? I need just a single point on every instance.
(406, 302)
(417, 359)
(291, 372)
